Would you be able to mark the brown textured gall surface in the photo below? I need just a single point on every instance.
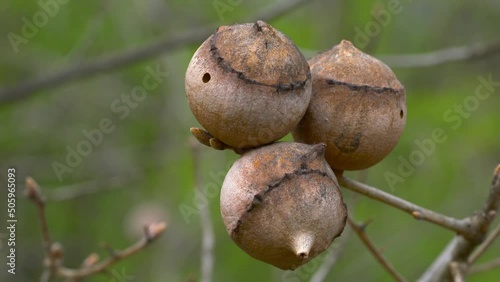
(281, 203)
(248, 85)
(358, 108)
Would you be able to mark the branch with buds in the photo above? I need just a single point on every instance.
(473, 235)
(53, 262)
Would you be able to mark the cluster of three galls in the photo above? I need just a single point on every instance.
(248, 85)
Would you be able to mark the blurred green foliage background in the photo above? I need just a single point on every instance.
(143, 171)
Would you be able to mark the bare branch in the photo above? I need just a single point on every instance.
(360, 231)
(460, 248)
(443, 56)
(493, 202)
(484, 266)
(91, 265)
(459, 226)
(484, 246)
(104, 63)
(151, 232)
(208, 237)
(110, 62)
(34, 194)
(457, 272)
(90, 260)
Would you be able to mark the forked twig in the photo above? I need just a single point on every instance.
(151, 232)
(460, 248)
(92, 265)
(484, 246)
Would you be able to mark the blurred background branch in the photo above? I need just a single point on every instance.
(208, 236)
(476, 51)
(109, 62)
(53, 261)
(487, 266)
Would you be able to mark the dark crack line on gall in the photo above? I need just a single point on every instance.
(283, 87)
(259, 197)
(357, 87)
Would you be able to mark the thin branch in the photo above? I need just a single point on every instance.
(53, 252)
(490, 209)
(208, 237)
(113, 61)
(104, 63)
(33, 193)
(331, 259)
(459, 249)
(151, 232)
(90, 187)
(484, 266)
(457, 272)
(443, 56)
(459, 226)
(484, 246)
(91, 265)
(360, 231)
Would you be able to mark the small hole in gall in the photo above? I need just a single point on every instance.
(401, 114)
(206, 77)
